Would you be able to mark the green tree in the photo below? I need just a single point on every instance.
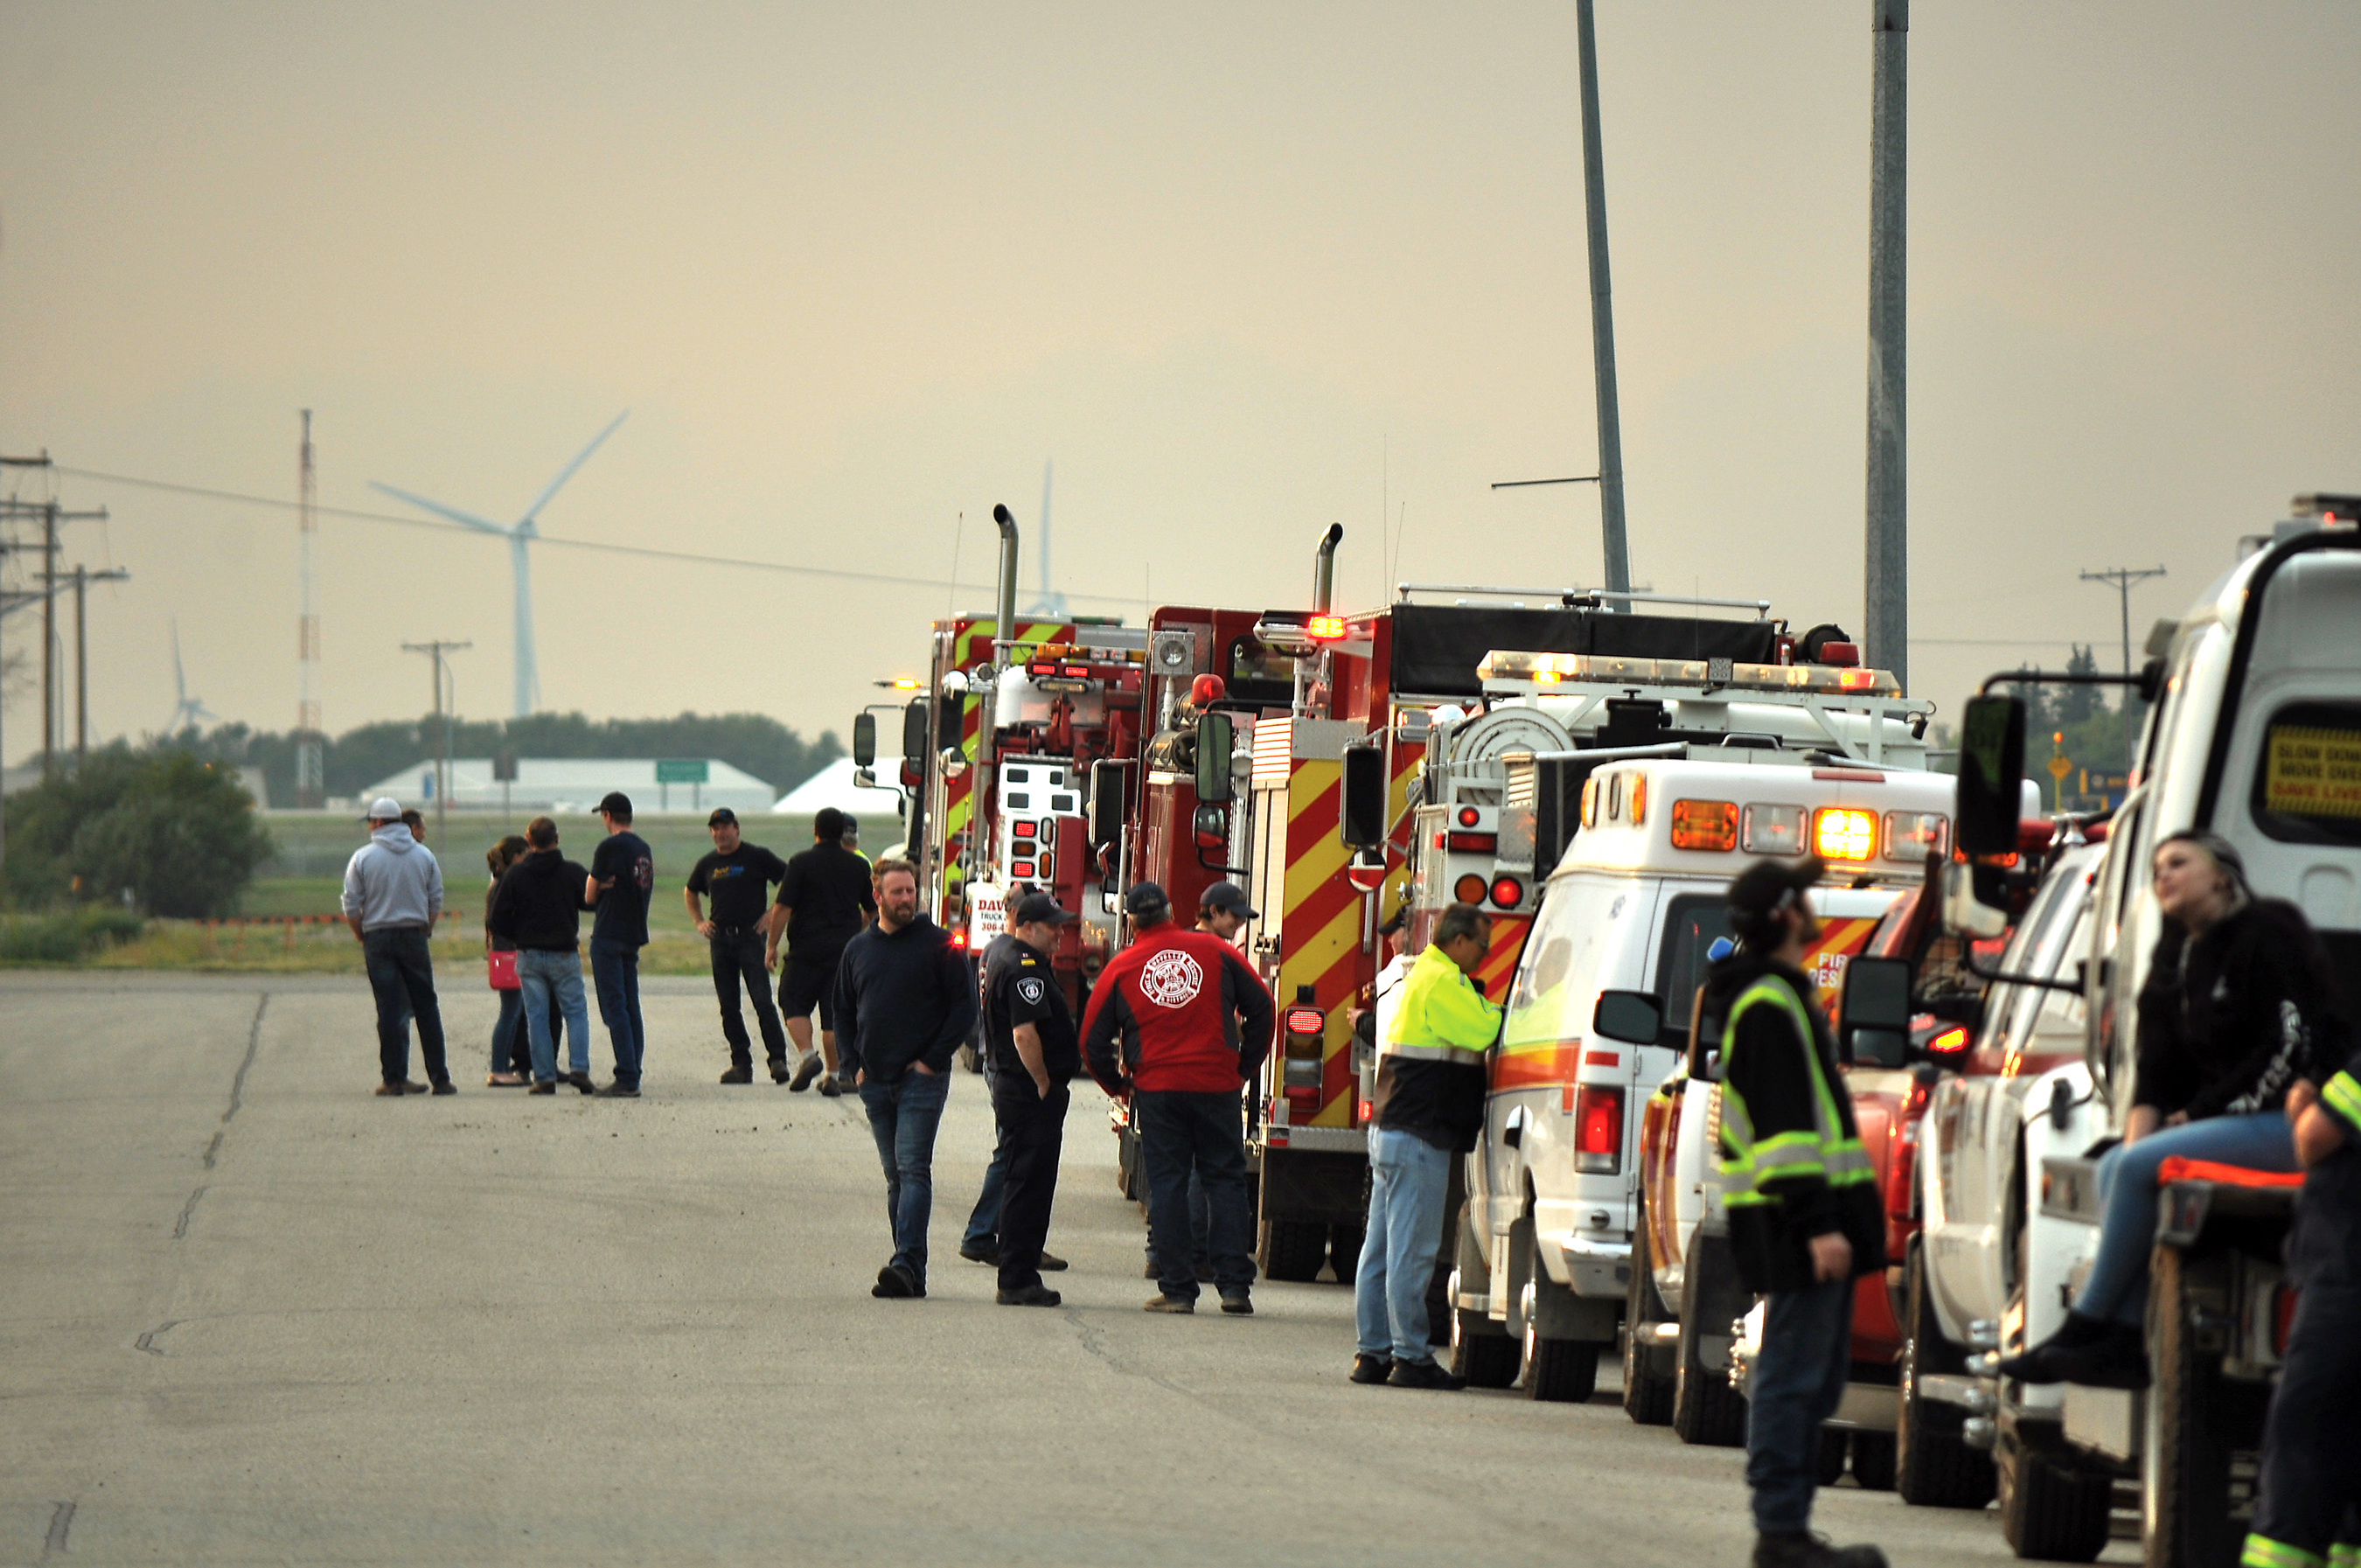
(174, 829)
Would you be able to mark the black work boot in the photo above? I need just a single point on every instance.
(1367, 1369)
(2085, 1350)
(1805, 1550)
(744, 1074)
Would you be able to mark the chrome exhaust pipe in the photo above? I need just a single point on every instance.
(1003, 629)
(1324, 569)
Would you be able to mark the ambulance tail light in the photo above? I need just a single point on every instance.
(1469, 889)
(1473, 843)
(1844, 833)
(1507, 892)
(1704, 825)
(1597, 1130)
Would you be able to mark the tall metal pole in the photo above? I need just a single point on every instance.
(1602, 315)
(48, 638)
(1885, 576)
(310, 763)
(81, 669)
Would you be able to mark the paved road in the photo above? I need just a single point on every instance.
(250, 1313)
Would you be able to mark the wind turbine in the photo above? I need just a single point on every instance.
(1050, 604)
(520, 534)
(188, 712)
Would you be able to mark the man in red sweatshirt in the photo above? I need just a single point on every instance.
(1177, 1023)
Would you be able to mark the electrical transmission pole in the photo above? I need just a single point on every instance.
(1886, 577)
(1602, 316)
(82, 577)
(2123, 579)
(436, 651)
(52, 515)
(311, 745)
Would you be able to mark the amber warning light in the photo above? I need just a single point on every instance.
(1324, 628)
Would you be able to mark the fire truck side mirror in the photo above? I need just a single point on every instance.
(1992, 774)
(1873, 1014)
(1361, 821)
(864, 739)
(1106, 805)
(914, 735)
(1216, 738)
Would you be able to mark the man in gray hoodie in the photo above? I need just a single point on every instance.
(393, 895)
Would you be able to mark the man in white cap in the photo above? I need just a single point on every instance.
(393, 895)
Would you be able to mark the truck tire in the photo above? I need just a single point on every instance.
(1647, 1392)
(1480, 1351)
(1293, 1249)
(1872, 1460)
(1558, 1371)
(2049, 1512)
(2184, 1453)
(1344, 1251)
(1705, 1409)
(1934, 1466)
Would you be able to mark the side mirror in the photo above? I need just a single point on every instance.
(1873, 1016)
(864, 739)
(1216, 738)
(1992, 774)
(1106, 804)
(914, 735)
(1635, 1017)
(1965, 915)
(1361, 797)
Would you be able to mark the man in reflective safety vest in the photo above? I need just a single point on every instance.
(1428, 1108)
(1804, 1220)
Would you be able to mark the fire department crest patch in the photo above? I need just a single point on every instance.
(1031, 991)
(1172, 978)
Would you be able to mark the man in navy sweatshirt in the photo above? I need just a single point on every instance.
(904, 1003)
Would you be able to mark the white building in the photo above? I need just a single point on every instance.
(562, 785)
(833, 785)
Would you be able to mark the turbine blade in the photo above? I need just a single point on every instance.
(566, 472)
(465, 519)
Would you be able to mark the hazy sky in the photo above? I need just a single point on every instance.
(1240, 270)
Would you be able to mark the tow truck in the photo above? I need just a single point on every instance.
(2255, 731)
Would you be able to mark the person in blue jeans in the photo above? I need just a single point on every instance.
(538, 907)
(2238, 993)
(1428, 1108)
(622, 879)
(904, 1003)
(511, 1051)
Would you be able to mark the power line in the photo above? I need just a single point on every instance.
(689, 557)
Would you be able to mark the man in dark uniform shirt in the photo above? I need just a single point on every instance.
(825, 901)
(738, 876)
(1030, 1036)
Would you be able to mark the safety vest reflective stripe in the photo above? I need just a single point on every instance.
(2262, 1551)
(1430, 1053)
(2342, 1095)
(1824, 1151)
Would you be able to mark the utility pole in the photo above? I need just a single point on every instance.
(2123, 579)
(1885, 576)
(1602, 315)
(52, 515)
(310, 748)
(82, 577)
(436, 651)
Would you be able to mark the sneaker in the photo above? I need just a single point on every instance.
(447, 1087)
(580, 1081)
(806, 1070)
(896, 1281)
(1805, 1550)
(778, 1069)
(1171, 1304)
(2086, 1351)
(1031, 1296)
(1239, 1304)
(620, 1090)
(549, 1088)
(739, 1074)
(831, 1086)
(982, 1251)
(391, 1091)
(1052, 1262)
(1425, 1375)
(1370, 1368)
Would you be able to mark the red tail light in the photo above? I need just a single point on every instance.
(1469, 816)
(1306, 1021)
(1474, 843)
(959, 936)
(1597, 1130)
(1508, 893)
(1954, 1038)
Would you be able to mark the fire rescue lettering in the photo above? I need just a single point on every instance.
(1172, 978)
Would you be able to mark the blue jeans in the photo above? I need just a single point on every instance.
(1408, 1180)
(504, 1034)
(903, 1116)
(984, 1220)
(553, 981)
(1799, 1381)
(615, 968)
(1179, 1130)
(401, 979)
(1200, 1213)
(2117, 1285)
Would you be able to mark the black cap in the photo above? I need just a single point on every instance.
(1144, 899)
(615, 803)
(1768, 885)
(721, 814)
(1041, 908)
(1227, 895)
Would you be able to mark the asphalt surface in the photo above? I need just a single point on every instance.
(250, 1313)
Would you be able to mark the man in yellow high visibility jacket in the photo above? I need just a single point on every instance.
(1429, 1107)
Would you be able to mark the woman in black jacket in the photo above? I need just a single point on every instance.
(511, 1052)
(2239, 1004)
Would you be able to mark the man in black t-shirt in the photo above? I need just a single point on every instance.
(825, 901)
(1035, 1051)
(622, 879)
(738, 876)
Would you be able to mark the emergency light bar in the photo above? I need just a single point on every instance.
(1707, 674)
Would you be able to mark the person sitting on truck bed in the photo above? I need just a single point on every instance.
(1805, 1217)
(2308, 1497)
(2239, 996)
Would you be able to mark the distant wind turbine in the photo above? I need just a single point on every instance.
(519, 535)
(1051, 604)
(188, 712)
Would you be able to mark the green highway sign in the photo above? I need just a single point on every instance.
(681, 769)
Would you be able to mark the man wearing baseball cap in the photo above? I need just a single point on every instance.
(1029, 1033)
(393, 895)
(739, 877)
(1178, 1023)
(1804, 1218)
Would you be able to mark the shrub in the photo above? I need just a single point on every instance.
(174, 830)
(67, 938)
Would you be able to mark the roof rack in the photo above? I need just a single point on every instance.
(1571, 598)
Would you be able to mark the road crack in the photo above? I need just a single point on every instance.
(60, 1521)
(146, 1342)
